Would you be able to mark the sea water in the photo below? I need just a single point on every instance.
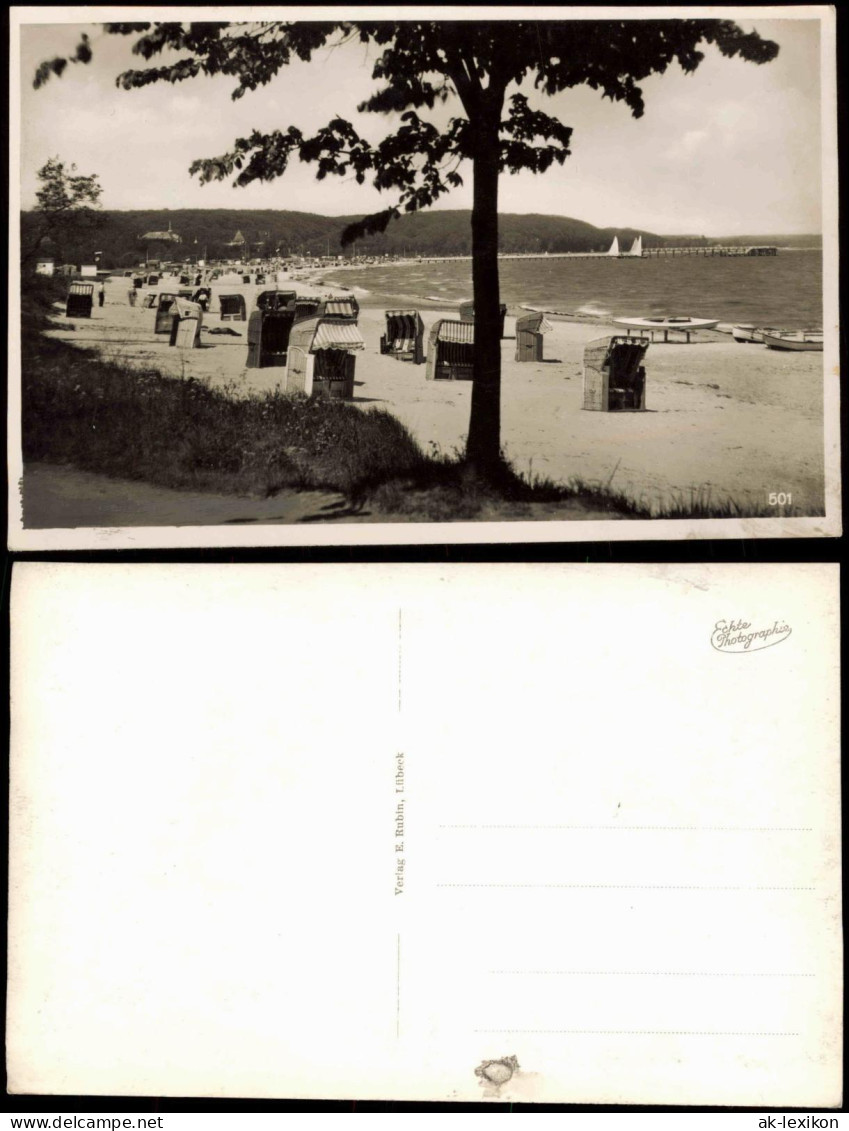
(784, 290)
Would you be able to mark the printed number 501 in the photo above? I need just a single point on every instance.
(779, 498)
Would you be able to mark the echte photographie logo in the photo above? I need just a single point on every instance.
(739, 635)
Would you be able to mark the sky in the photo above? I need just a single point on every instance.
(733, 149)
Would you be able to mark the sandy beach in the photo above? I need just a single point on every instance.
(732, 420)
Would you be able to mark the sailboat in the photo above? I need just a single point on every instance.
(637, 248)
(614, 247)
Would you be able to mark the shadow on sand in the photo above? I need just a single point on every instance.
(336, 510)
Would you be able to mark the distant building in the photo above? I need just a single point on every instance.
(157, 243)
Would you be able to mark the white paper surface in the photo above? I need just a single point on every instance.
(620, 837)
(229, 532)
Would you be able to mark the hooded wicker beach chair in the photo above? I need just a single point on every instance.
(164, 312)
(404, 336)
(269, 327)
(275, 300)
(186, 322)
(450, 351)
(529, 331)
(322, 357)
(614, 378)
(80, 300)
(233, 308)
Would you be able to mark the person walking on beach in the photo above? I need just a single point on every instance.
(101, 294)
(132, 293)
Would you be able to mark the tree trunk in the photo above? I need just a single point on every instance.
(483, 447)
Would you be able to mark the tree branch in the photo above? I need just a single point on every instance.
(456, 71)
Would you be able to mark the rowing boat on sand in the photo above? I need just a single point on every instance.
(666, 323)
(546, 310)
(793, 340)
(683, 325)
(747, 332)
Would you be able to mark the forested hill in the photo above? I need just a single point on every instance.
(207, 231)
(304, 233)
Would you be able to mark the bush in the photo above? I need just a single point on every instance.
(38, 294)
(91, 413)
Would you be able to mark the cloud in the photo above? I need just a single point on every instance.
(692, 141)
(730, 148)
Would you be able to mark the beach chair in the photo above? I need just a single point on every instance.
(307, 307)
(275, 300)
(346, 307)
(322, 358)
(529, 331)
(80, 300)
(233, 308)
(451, 351)
(404, 336)
(268, 337)
(614, 378)
(164, 312)
(186, 322)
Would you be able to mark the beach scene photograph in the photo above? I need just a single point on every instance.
(523, 275)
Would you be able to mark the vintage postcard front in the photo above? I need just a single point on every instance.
(330, 276)
(529, 833)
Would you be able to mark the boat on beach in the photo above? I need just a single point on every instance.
(793, 339)
(746, 332)
(683, 325)
(545, 310)
(666, 323)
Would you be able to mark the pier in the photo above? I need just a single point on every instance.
(709, 250)
(647, 253)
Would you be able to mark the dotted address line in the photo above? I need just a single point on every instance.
(661, 973)
(647, 828)
(630, 887)
(643, 1032)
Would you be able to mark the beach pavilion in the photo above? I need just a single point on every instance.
(157, 244)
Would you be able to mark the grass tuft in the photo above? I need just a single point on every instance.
(133, 424)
